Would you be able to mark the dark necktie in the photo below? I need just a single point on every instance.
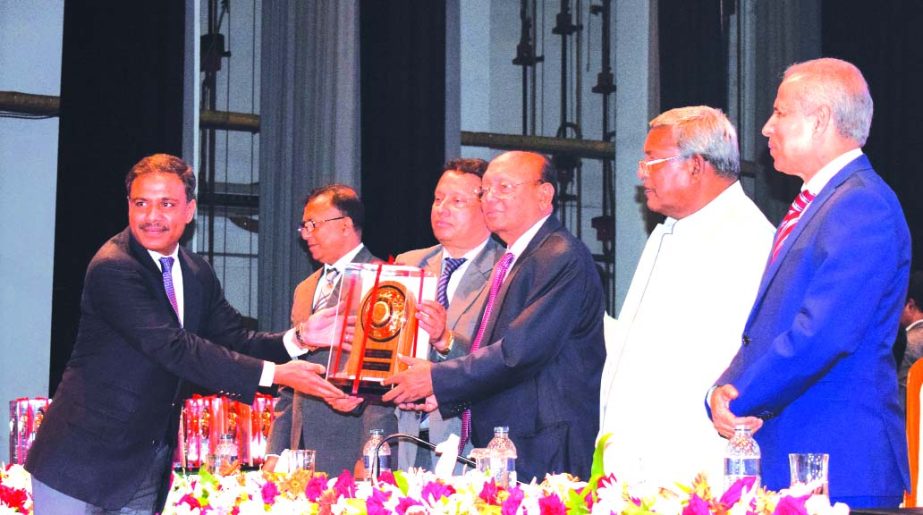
(166, 268)
(449, 265)
(327, 284)
(500, 271)
(791, 218)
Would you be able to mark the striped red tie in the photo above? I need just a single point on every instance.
(791, 218)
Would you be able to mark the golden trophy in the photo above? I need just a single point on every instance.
(380, 302)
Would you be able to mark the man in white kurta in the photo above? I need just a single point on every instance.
(689, 298)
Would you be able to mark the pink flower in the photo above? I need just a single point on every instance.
(405, 503)
(315, 487)
(734, 492)
(696, 506)
(434, 490)
(511, 504)
(552, 505)
(345, 485)
(269, 492)
(489, 492)
(792, 505)
(375, 504)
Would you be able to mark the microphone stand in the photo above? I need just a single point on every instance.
(419, 441)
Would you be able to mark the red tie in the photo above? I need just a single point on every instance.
(791, 218)
(499, 274)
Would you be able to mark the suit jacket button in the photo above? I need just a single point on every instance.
(745, 340)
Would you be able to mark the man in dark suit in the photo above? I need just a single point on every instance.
(332, 228)
(815, 367)
(152, 316)
(465, 256)
(537, 363)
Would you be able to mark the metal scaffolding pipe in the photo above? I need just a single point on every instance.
(25, 103)
(577, 147)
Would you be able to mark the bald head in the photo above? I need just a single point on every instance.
(518, 191)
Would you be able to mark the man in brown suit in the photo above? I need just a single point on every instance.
(332, 228)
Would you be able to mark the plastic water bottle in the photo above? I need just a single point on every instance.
(502, 454)
(225, 454)
(368, 453)
(742, 458)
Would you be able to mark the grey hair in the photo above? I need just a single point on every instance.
(705, 131)
(839, 85)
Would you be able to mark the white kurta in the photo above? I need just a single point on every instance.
(678, 329)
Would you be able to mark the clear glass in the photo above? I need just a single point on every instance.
(302, 459)
(226, 455)
(502, 454)
(809, 472)
(742, 458)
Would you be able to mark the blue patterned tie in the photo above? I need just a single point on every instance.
(449, 265)
(166, 267)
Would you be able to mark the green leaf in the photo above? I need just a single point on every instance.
(576, 505)
(401, 479)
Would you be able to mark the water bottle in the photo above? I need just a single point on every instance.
(742, 458)
(225, 454)
(368, 453)
(502, 454)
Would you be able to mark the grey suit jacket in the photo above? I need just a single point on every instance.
(462, 319)
(308, 422)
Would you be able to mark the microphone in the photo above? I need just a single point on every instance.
(414, 439)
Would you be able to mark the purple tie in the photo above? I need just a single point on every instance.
(450, 265)
(166, 266)
(499, 275)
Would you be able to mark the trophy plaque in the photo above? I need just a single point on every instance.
(379, 302)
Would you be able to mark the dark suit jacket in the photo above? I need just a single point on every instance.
(816, 359)
(539, 366)
(119, 396)
(309, 423)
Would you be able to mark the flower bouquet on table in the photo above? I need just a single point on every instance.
(15, 490)
(420, 492)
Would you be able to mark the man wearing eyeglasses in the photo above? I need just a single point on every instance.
(331, 227)
(687, 302)
(463, 260)
(538, 351)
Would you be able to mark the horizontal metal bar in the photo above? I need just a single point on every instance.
(578, 147)
(27, 103)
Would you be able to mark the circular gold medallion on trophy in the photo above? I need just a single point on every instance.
(388, 310)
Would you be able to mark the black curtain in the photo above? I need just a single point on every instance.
(402, 61)
(693, 53)
(884, 40)
(121, 99)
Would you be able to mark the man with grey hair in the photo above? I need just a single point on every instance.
(687, 302)
(815, 373)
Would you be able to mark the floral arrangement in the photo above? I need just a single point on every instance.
(418, 492)
(15, 490)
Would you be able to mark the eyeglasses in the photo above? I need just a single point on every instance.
(311, 225)
(644, 166)
(504, 189)
(456, 201)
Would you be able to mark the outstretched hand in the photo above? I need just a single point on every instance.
(723, 418)
(412, 384)
(306, 377)
(322, 328)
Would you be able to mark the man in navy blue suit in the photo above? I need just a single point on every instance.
(152, 316)
(815, 372)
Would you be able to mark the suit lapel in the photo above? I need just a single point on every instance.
(772, 266)
(474, 284)
(551, 225)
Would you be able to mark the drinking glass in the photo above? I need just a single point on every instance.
(809, 472)
(302, 459)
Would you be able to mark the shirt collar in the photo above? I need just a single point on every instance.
(716, 209)
(918, 323)
(470, 255)
(157, 255)
(823, 176)
(346, 259)
(523, 241)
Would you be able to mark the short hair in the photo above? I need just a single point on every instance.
(345, 199)
(840, 85)
(473, 166)
(915, 290)
(705, 131)
(163, 163)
